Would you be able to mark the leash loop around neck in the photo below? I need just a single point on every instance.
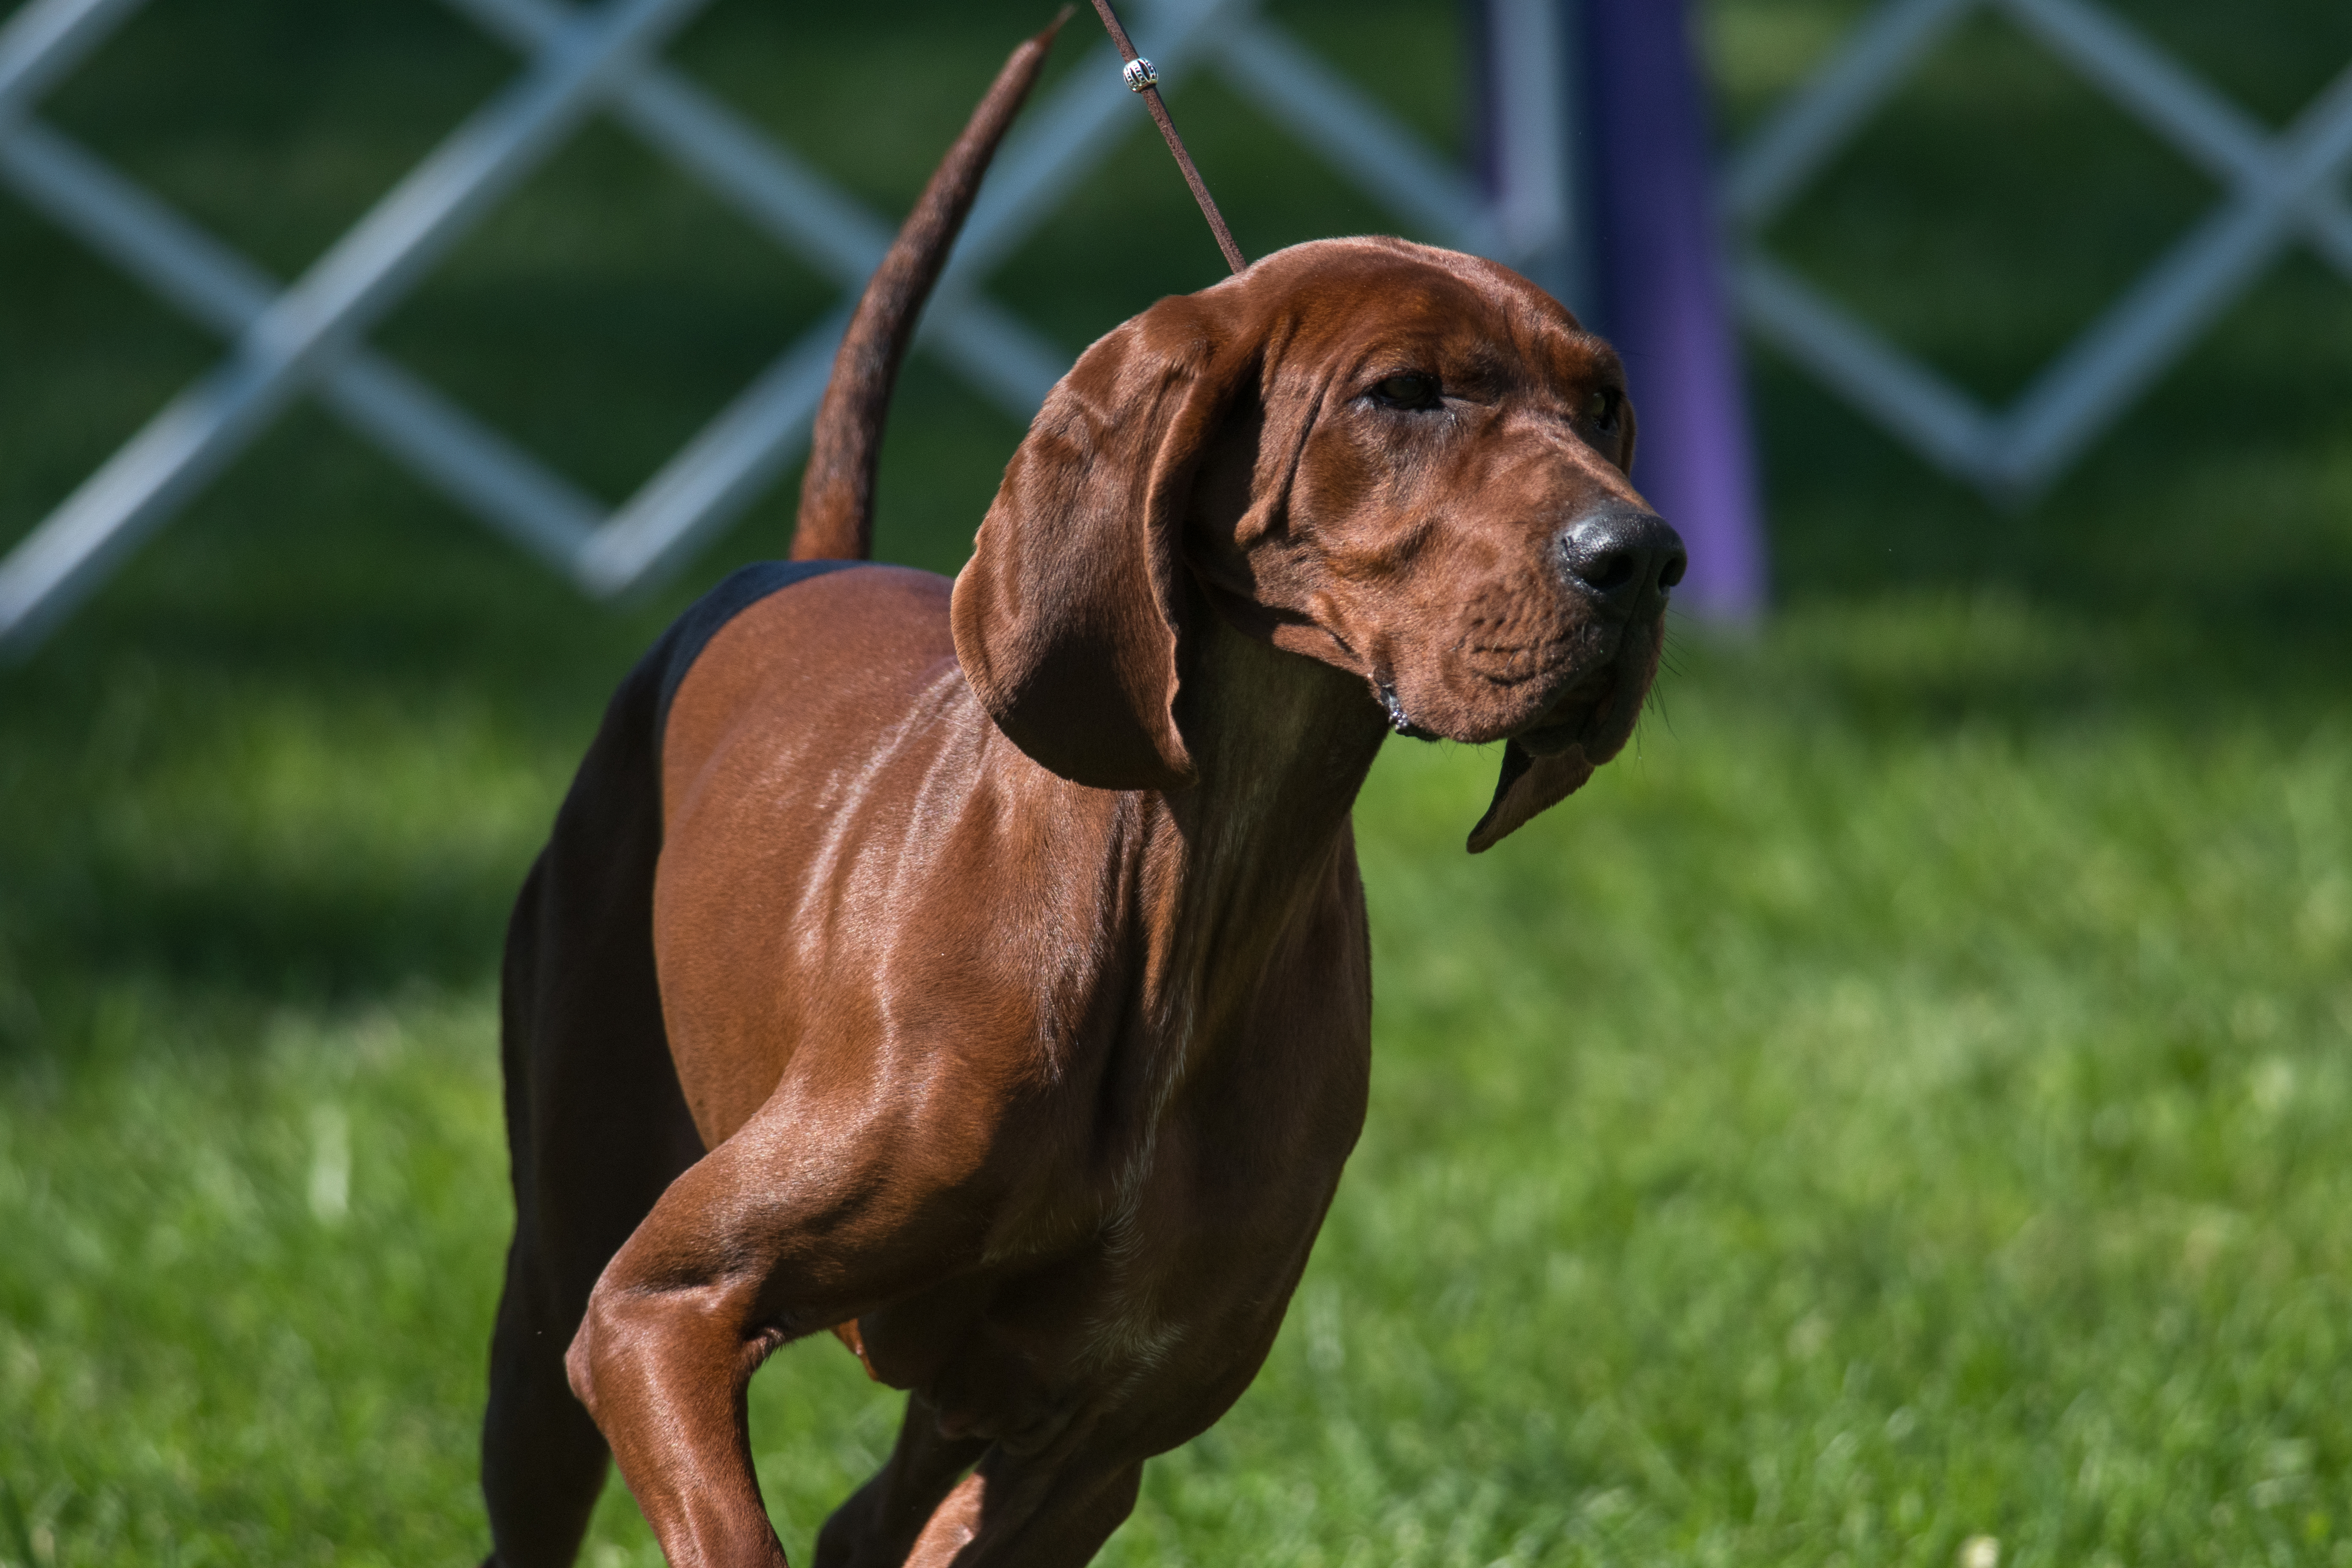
(1142, 78)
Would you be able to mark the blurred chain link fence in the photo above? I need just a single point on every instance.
(310, 336)
(2277, 190)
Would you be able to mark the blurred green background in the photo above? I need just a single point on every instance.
(1905, 1098)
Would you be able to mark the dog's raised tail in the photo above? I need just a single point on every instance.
(836, 516)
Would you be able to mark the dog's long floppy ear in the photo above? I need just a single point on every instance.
(1069, 616)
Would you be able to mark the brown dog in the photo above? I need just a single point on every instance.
(983, 972)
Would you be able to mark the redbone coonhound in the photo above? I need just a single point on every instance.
(980, 970)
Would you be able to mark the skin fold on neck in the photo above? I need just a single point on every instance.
(1283, 743)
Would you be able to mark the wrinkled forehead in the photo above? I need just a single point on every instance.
(1359, 307)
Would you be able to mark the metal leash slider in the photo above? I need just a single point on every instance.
(1141, 78)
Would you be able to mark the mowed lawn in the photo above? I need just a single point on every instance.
(1907, 1098)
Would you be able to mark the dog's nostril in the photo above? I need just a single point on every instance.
(1609, 572)
(1622, 555)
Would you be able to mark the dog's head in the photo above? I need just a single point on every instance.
(1406, 462)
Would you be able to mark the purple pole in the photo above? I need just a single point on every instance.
(1659, 264)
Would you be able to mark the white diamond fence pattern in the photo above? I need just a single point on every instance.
(310, 336)
(2278, 190)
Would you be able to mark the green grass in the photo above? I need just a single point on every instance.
(1907, 1098)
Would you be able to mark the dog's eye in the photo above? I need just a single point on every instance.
(1601, 407)
(1411, 390)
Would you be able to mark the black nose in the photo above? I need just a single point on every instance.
(1624, 557)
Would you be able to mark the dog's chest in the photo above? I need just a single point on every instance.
(1158, 1315)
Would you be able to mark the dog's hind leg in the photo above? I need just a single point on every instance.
(595, 1122)
(877, 1527)
(1025, 1511)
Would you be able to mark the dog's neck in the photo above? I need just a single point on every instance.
(1282, 745)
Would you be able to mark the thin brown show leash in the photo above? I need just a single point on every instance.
(1141, 78)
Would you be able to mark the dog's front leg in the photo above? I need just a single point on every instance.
(766, 1238)
(662, 1369)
